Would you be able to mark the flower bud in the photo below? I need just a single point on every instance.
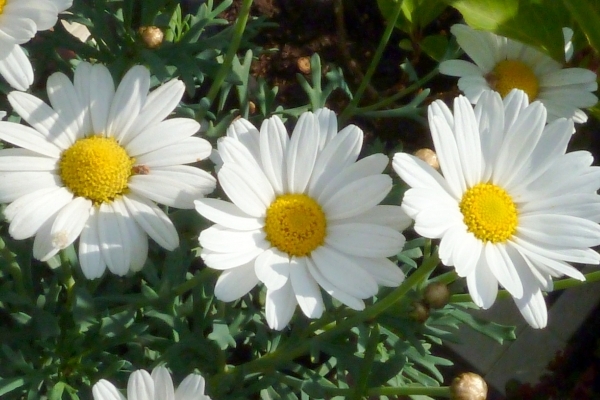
(152, 36)
(436, 295)
(428, 156)
(420, 312)
(468, 386)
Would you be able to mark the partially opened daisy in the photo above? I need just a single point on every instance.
(304, 215)
(19, 22)
(158, 386)
(94, 163)
(503, 64)
(511, 207)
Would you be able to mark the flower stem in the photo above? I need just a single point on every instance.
(391, 24)
(238, 31)
(14, 268)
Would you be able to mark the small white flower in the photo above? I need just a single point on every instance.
(158, 386)
(95, 162)
(19, 22)
(511, 206)
(503, 64)
(304, 216)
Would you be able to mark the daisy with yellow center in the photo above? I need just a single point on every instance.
(511, 207)
(304, 216)
(503, 64)
(19, 22)
(92, 166)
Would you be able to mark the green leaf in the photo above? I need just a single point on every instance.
(536, 23)
(10, 384)
(495, 331)
(588, 18)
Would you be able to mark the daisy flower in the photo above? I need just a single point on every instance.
(502, 64)
(511, 207)
(19, 22)
(158, 386)
(304, 215)
(94, 163)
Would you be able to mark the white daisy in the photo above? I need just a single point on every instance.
(94, 163)
(512, 207)
(19, 22)
(304, 215)
(503, 64)
(158, 386)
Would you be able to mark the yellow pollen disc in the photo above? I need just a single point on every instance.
(2, 4)
(513, 74)
(489, 213)
(96, 168)
(295, 224)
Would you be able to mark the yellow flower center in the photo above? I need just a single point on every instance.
(295, 224)
(489, 213)
(513, 74)
(2, 4)
(96, 168)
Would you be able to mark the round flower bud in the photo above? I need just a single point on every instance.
(428, 156)
(152, 36)
(468, 386)
(436, 295)
(420, 312)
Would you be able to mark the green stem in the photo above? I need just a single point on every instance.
(442, 391)
(391, 24)
(234, 45)
(389, 100)
(366, 364)
(14, 268)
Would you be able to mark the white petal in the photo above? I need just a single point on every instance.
(191, 388)
(235, 282)
(468, 142)
(418, 174)
(227, 214)
(306, 289)
(532, 304)
(272, 267)
(243, 131)
(364, 240)
(368, 166)
(96, 91)
(504, 268)
(233, 258)
(384, 271)
(27, 214)
(28, 138)
(341, 152)
(70, 222)
(357, 197)
(65, 102)
(483, 286)
(560, 230)
(274, 141)
(333, 290)
(162, 134)
(90, 258)
(159, 104)
(302, 152)
(115, 243)
(163, 384)
(104, 390)
(221, 239)
(280, 306)
(344, 273)
(386, 215)
(460, 68)
(153, 220)
(251, 193)
(128, 101)
(185, 151)
(16, 184)
(15, 67)
(140, 386)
